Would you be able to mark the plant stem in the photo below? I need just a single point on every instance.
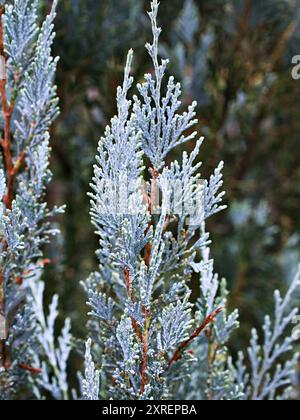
(7, 110)
(151, 208)
(177, 355)
(4, 356)
(131, 297)
(144, 363)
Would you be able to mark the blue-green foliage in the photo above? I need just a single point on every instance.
(146, 338)
(31, 360)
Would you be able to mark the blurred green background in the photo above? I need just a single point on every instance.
(234, 58)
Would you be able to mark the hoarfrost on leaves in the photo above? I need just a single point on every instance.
(32, 360)
(90, 384)
(54, 370)
(147, 335)
(157, 114)
(268, 377)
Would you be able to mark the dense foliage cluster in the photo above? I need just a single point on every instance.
(147, 335)
(30, 360)
(234, 57)
(160, 321)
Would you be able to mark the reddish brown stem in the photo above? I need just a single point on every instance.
(144, 377)
(30, 369)
(11, 168)
(128, 283)
(42, 263)
(142, 337)
(7, 110)
(131, 297)
(4, 355)
(148, 250)
(151, 208)
(8, 164)
(185, 344)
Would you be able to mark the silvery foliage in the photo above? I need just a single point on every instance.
(117, 205)
(268, 377)
(152, 241)
(35, 361)
(91, 383)
(162, 125)
(53, 377)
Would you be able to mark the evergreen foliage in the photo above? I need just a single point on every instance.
(30, 360)
(162, 323)
(148, 338)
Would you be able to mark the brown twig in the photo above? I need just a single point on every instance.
(8, 164)
(151, 207)
(185, 344)
(145, 337)
(148, 250)
(4, 355)
(131, 297)
(30, 369)
(7, 109)
(128, 283)
(42, 263)
(11, 168)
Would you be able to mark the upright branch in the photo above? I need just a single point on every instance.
(5, 144)
(27, 95)
(7, 110)
(11, 169)
(131, 298)
(142, 337)
(145, 350)
(152, 201)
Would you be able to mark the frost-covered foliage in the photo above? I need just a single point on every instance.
(53, 377)
(267, 375)
(31, 360)
(90, 384)
(149, 338)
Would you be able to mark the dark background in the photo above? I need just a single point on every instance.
(234, 57)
